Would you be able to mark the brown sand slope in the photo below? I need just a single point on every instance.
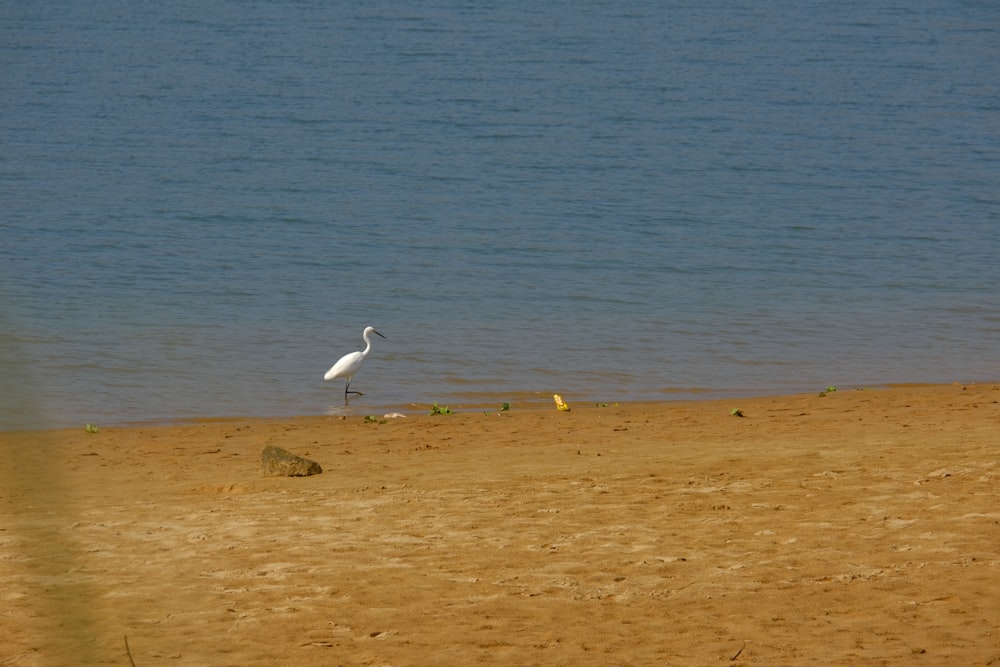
(860, 527)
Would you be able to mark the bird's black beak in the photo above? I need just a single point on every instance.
(375, 332)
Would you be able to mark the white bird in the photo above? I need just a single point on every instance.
(349, 364)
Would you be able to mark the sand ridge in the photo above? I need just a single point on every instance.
(856, 527)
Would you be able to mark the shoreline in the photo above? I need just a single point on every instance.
(523, 401)
(858, 526)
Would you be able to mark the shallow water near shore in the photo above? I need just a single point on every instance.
(205, 206)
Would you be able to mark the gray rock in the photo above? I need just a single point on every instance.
(277, 461)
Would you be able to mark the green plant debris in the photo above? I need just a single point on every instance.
(440, 410)
(372, 419)
(504, 407)
(92, 428)
(736, 412)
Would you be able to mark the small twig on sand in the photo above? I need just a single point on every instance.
(128, 652)
(737, 654)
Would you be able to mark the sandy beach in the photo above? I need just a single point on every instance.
(855, 527)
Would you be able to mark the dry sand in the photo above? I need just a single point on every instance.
(859, 527)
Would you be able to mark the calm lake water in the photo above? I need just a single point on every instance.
(203, 204)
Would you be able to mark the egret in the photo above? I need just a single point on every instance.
(350, 364)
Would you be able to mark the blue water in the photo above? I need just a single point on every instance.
(203, 204)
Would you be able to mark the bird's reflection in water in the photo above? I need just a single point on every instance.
(343, 410)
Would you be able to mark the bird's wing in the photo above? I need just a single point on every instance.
(347, 366)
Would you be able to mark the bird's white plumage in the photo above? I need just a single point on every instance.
(349, 364)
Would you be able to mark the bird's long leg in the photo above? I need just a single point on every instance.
(346, 392)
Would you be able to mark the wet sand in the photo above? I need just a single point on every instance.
(860, 527)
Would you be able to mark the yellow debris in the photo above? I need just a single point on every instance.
(560, 403)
